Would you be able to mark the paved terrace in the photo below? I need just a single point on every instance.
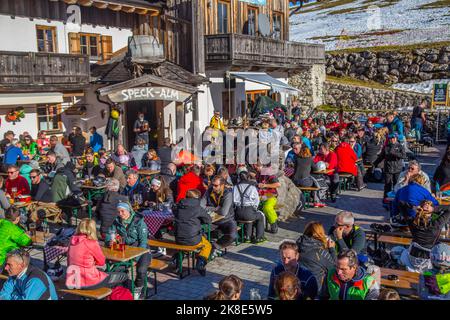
(253, 263)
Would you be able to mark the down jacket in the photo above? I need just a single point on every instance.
(315, 258)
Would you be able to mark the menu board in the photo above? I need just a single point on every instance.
(441, 94)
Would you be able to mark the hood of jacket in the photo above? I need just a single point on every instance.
(77, 239)
(306, 243)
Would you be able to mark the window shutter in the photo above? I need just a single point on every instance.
(107, 49)
(74, 43)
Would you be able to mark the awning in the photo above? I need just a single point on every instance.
(265, 79)
(9, 99)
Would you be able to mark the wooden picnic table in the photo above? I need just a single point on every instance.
(40, 239)
(116, 258)
(326, 172)
(406, 280)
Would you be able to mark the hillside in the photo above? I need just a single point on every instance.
(343, 24)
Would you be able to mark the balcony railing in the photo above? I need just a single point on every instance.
(239, 49)
(31, 69)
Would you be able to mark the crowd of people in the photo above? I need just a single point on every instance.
(331, 265)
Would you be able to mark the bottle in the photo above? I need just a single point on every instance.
(255, 294)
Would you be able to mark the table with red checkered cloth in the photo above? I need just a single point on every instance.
(54, 252)
(155, 219)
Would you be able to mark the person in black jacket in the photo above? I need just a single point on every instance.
(106, 209)
(426, 226)
(219, 199)
(442, 174)
(40, 189)
(189, 217)
(91, 169)
(317, 251)
(78, 142)
(165, 154)
(393, 155)
(169, 175)
(303, 166)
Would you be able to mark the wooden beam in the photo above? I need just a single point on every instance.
(85, 3)
(100, 5)
(128, 9)
(141, 11)
(115, 7)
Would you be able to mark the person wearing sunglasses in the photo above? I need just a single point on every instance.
(219, 199)
(15, 184)
(414, 167)
(29, 147)
(346, 234)
(25, 281)
(40, 189)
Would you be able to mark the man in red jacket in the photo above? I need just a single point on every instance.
(330, 159)
(17, 182)
(190, 180)
(347, 162)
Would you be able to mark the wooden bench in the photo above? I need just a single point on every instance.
(156, 266)
(96, 294)
(180, 249)
(390, 239)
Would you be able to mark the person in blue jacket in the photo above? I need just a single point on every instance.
(411, 196)
(96, 140)
(13, 153)
(26, 282)
(395, 125)
(289, 262)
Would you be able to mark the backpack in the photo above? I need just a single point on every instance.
(120, 293)
(62, 237)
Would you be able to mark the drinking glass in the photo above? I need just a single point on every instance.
(32, 228)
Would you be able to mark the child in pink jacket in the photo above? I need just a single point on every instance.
(83, 258)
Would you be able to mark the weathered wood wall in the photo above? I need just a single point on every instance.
(23, 69)
(239, 15)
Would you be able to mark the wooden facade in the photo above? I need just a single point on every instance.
(244, 51)
(28, 71)
(239, 15)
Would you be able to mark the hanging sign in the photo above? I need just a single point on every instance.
(440, 94)
(148, 93)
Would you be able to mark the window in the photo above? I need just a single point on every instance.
(49, 117)
(278, 26)
(223, 10)
(46, 38)
(94, 45)
(251, 23)
(89, 44)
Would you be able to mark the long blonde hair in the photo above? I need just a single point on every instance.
(88, 227)
(423, 217)
(315, 230)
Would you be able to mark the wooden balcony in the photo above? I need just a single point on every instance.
(29, 71)
(250, 51)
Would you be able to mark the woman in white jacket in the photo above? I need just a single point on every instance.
(246, 202)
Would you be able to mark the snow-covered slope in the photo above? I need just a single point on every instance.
(364, 23)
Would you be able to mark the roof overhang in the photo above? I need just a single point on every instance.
(9, 99)
(128, 6)
(263, 78)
